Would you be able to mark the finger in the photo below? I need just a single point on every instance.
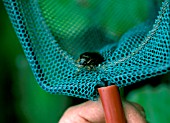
(139, 108)
(134, 113)
(88, 112)
(71, 116)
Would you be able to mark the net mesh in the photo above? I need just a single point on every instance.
(54, 33)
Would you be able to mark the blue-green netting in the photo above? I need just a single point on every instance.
(53, 34)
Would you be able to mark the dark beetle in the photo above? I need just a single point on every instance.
(90, 60)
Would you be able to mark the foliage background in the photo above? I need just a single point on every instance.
(21, 98)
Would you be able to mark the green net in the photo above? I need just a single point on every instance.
(55, 33)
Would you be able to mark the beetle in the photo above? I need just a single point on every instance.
(90, 60)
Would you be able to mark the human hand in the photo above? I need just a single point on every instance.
(92, 112)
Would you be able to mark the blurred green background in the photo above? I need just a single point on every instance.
(21, 98)
(23, 101)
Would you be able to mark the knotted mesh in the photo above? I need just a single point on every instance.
(53, 34)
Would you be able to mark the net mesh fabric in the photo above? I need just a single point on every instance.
(54, 33)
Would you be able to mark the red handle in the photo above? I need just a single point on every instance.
(112, 104)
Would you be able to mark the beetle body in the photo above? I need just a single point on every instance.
(90, 60)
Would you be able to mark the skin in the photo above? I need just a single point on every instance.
(92, 112)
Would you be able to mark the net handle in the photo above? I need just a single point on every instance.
(112, 105)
